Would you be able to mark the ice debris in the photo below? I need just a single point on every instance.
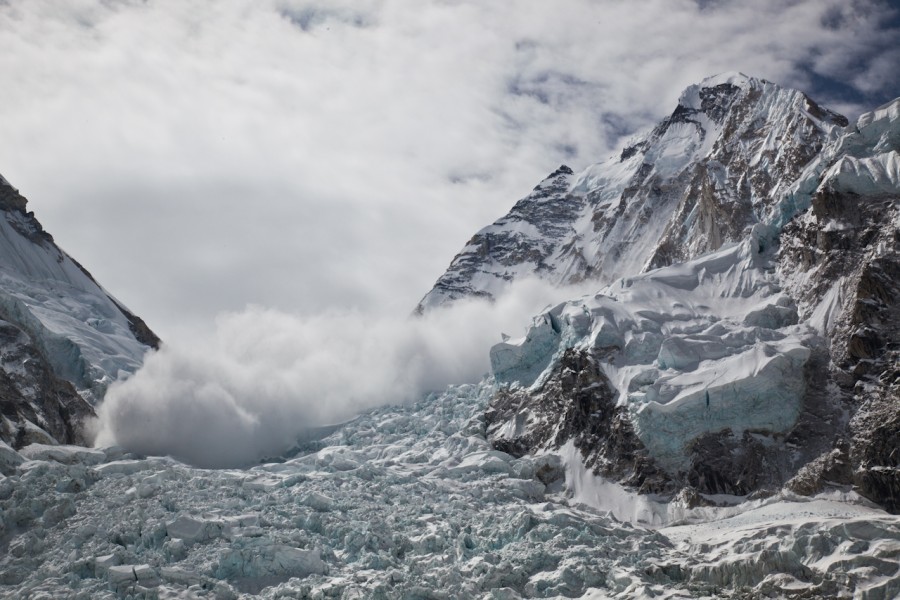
(406, 502)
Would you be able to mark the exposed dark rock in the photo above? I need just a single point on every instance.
(31, 393)
(846, 240)
(875, 449)
(549, 210)
(576, 403)
(831, 468)
(139, 328)
(11, 199)
(722, 463)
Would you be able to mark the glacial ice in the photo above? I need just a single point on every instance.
(700, 347)
(880, 128)
(67, 455)
(523, 360)
(411, 502)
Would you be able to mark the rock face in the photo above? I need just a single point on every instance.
(63, 338)
(523, 242)
(37, 406)
(841, 260)
(576, 404)
(746, 331)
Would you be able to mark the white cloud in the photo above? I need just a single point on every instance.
(199, 156)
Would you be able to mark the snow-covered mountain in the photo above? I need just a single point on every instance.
(63, 338)
(746, 329)
(698, 180)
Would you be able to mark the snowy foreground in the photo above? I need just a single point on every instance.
(412, 503)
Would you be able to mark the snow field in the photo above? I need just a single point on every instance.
(77, 326)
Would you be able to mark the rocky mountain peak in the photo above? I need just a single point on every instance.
(10, 198)
(746, 256)
(701, 178)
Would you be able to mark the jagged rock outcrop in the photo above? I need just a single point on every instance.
(752, 336)
(576, 404)
(36, 405)
(525, 241)
(841, 260)
(63, 338)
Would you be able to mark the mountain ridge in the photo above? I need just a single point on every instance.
(658, 187)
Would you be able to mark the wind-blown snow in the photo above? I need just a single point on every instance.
(267, 377)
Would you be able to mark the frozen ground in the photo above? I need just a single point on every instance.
(411, 503)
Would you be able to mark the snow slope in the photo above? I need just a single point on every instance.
(80, 333)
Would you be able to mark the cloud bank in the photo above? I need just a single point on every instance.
(266, 377)
(302, 155)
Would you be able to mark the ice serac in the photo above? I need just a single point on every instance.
(658, 373)
(410, 502)
(63, 338)
(698, 180)
(746, 331)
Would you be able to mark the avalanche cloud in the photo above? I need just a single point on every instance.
(266, 377)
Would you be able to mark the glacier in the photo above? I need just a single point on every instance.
(411, 502)
(714, 420)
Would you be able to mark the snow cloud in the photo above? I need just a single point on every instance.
(265, 378)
